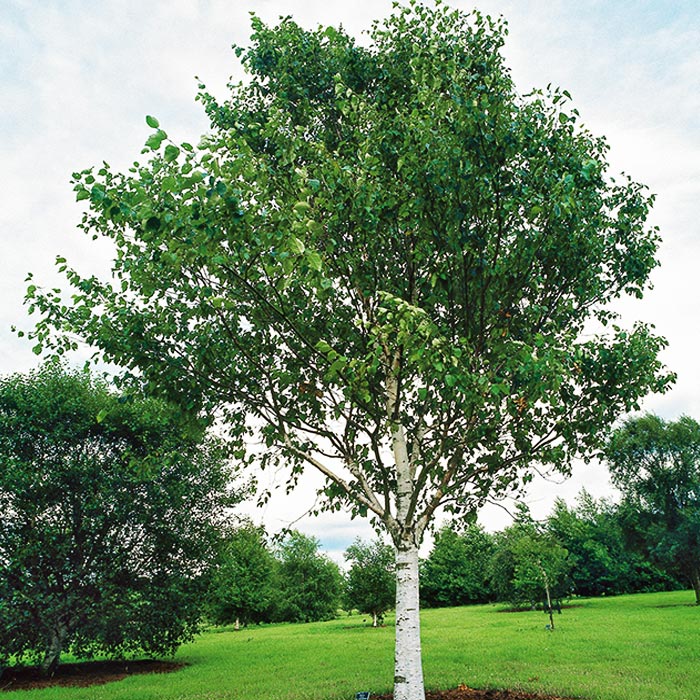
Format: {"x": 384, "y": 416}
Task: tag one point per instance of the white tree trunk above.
{"x": 408, "y": 668}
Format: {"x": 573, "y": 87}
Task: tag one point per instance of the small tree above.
{"x": 456, "y": 570}
{"x": 656, "y": 465}
{"x": 309, "y": 583}
{"x": 371, "y": 581}
{"x": 528, "y": 566}
{"x": 243, "y": 585}
{"x": 384, "y": 259}
{"x": 109, "y": 515}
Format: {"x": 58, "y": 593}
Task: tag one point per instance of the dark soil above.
{"x": 82, "y": 674}
{"x": 465, "y": 693}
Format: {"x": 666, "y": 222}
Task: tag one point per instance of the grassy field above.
{"x": 642, "y": 647}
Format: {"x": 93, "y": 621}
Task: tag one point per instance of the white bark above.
{"x": 408, "y": 665}
{"x": 408, "y": 668}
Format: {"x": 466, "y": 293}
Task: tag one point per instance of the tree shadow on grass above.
{"x": 82, "y": 674}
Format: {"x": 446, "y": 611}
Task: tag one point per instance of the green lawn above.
{"x": 641, "y": 647}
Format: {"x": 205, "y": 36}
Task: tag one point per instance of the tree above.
{"x": 371, "y": 581}
{"x": 309, "y": 583}
{"x": 529, "y": 566}
{"x": 383, "y": 259}
{"x": 109, "y": 510}
{"x": 455, "y": 572}
{"x": 656, "y": 465}
{"x": 597, "y": 536}
{"x": 243, "y": 586}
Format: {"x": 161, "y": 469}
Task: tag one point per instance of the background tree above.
{"x": 309, "y": 583}
{"x": 386, "y": 256}
{"x": 109, "y": 511}
{"x": 455, "y": 572}
{"x": 604, "y": 559}
{"x": 370, "y": 585}
{"x": 656, "y": 465}
{"x": 528, "y": 565}
{"x": 243, "y": 584}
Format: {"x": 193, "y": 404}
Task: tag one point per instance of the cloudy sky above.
{"x": 77, "y": 78}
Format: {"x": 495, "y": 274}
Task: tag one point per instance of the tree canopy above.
{"x": 383, "y": 259}
{"x": 310, "y": 584}
{"x": 243, "y": 585}
{"x": 656, "y": 465}
{"x": 528, "y": 565}
{"x": 370, "y": 585}
{"x": 109, "y": 516}
{"x": 456, "y": 571}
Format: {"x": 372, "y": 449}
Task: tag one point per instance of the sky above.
{"x": 78, "y": 77}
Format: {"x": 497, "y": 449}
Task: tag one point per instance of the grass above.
{"x": 640, "y": 647}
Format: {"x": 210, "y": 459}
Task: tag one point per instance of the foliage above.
{"x": 309, "y": 583}
{"x": 603, "y": 560}
{"x": 455, "y": 572}
{"x": 109, "y": 511}
{"x": 243, "y": 585}
{"x": 383, "y": 258}
{"x": 370, "y": 586}
{"x": 398, "y": 228}
{"x": 527, "y": 560}
{"x": 656, "y": 465}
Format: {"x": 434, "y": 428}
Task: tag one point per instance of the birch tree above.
{"x": 381, "y": 259}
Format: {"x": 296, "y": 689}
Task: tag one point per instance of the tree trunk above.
{"x": 695, "y": 578}
{"x": 408, "y": 665}
{"x": 408, "y": 668}
{"x": 237, "y": 624}
{"x": 54, "y": 649}
{"x": 374, "y": 619}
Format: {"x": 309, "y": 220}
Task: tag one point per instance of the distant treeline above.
{"x": 594, "y": 548}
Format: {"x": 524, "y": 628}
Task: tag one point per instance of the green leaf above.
{"x": 296, "y": 245}
{"x": 171, "y": 153}
{"x": 155, "y": 140}
{"x": 152, "y": 122}
{"x": 314, "y": 260}
{"x": 301, "y": 207}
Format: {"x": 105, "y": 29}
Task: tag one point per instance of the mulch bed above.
{"x": 463, "y": 692}
{"x": 82, "y": 674}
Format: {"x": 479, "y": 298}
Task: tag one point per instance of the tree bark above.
{"x": 374, "y": 619}
{"x": 408, "y": 665}
{"x": 54, "y": 649}
{"x": 408, "y": 668}
{"x": 695, "y": 578}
